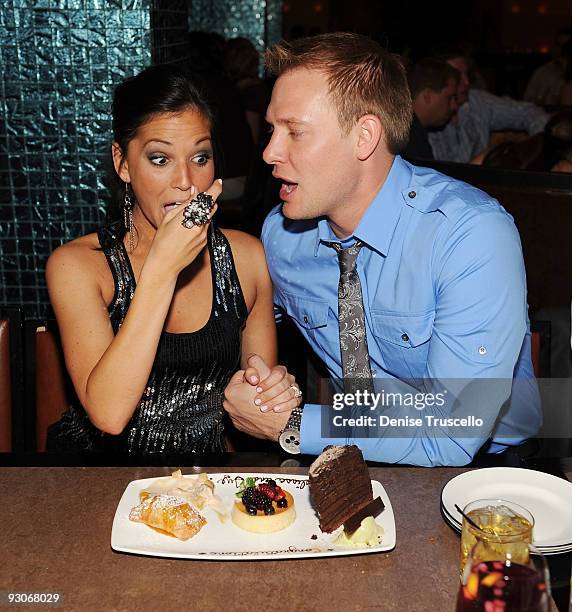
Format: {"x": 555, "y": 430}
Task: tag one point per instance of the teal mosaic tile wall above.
{"x": 60, "y": 62}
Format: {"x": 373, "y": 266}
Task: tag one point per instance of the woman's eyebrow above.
{"x": 166, "y": 142}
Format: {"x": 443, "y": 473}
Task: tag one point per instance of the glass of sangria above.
{"x": 500, "y": 584}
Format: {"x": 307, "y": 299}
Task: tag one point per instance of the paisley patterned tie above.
{"x": 353, "y": 340}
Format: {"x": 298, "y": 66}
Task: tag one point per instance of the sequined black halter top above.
{"x": 181, "y": 409}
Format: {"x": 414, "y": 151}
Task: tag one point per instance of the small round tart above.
{"x": 264, "y": 523}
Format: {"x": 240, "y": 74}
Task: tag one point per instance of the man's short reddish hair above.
{"x": 363, "y": 79}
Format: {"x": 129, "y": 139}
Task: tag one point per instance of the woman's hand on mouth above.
{"x": 175, "y": 246}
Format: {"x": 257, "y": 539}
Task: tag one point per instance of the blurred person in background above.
{"x": 433, "y": 85}
{"x": 546, "y": 82}
{"x": 566, "y": 91}
{"x": 465, "y": 139}
{"x": 242, "y": 63}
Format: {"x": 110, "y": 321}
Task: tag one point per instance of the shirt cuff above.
{"x": 311, "y": 441}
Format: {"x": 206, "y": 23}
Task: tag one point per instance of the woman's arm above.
{"x": 259, "y": 335}
{"x": 109, "y": 372}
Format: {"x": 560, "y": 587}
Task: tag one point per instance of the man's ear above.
{"x": 427, "y": 95}
{"x": 120, "y": 163}
{"x": 370, "y": 131}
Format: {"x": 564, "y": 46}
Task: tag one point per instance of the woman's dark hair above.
{"x": 157, "y": 89}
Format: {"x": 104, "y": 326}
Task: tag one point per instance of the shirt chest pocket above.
{"x": 310, "y": 314}
{"x": 403, "y": 341}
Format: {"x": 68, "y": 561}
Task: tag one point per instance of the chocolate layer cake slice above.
{"x": 340, "y": 485}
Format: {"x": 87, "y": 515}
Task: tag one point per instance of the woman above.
{"x": 154, "y": 310}
{"x": 242, "y": 61}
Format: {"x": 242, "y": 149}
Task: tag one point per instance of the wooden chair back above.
{"x": 48, "y": 388}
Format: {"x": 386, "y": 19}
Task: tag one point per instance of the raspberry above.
{"x": 267, "y": 490}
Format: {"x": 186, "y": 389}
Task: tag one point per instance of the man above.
{"x": 438, "y": 298}
{"x": 465, "y": 138}
{"x": 433, "y": 86}
{"x": 547, "y": 80}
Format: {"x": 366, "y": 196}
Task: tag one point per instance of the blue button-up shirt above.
{"x": 444, "y": 292}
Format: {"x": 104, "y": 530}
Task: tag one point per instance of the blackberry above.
{"x": 271, "y": 482}
{"x": 258, "y": 500}
{"x": 269, "y": 509}
{"x": 282, "y": 503}
{"x": 247, "y": 496}
{"x": 251, "y": 510}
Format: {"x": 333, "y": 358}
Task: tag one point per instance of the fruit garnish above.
{"x": 489, "y": 580}
{"x": 259, "y": 498}
{"x": 472, "y": 587}
{"x": 246, "y": 483}
{"x": 267, "y": 489}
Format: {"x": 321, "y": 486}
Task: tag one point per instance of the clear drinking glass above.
{"x": 506, "y": 526}
{"x": 502, "y": 585}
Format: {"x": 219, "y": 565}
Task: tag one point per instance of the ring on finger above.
{"x": 198, "y": 210}
{"x": 297, "y": 392}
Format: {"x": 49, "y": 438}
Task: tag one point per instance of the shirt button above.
{"x": 412, "y": 194}
{"x": 405, "y": 337}
{"x": 482, "y": 350}
{"x": 305, "y": 319}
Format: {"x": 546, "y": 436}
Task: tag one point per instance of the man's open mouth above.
{"x": 287, "y": 189}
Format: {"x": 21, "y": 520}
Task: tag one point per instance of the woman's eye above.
{"x": 158, "y": 160}
{"x": 202, "y": 159}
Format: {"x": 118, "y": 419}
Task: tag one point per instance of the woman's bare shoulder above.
{"x": 79, "y": 255}
{"x": 243, "y": 244}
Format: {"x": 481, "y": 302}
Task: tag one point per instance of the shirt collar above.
{"x": 379, "y": 221}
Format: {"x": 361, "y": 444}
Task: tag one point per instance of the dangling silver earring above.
{"x": 128, "y": 216}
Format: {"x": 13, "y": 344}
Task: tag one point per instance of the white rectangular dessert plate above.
{"x": 224, "y": 541}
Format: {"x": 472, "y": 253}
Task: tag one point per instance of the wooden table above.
{"x": 56, "y": 524}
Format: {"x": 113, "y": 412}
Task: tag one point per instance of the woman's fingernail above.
{"x": 258, "y": 402}
{"x": 258, "y": 389}
{"x": 263, "y": 408}
{"x": 253, "y": 380}
{"x": 219, "y": 181}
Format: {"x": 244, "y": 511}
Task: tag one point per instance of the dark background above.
{"x": 508, "y": 38}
